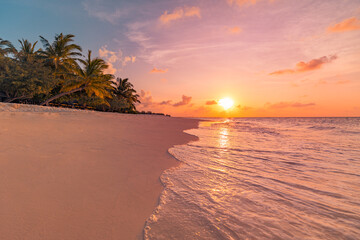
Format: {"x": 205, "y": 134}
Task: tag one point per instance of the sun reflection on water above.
{"x": 224, "y": 137}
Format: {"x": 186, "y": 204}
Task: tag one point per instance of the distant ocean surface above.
{"x": 263, "y": 178}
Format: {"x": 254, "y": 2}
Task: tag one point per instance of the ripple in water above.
{"x": 273, "y": 178}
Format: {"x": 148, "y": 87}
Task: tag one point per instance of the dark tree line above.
{"x": 59, "y": 74}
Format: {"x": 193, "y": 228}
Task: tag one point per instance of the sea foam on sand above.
{"x": 70, "y": 174}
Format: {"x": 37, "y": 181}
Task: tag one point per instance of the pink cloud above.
{"x": 313, "y": 64}
{"x": 179, "y": 13}
{"x": 145, "y": 98}
{"x": 350, "y": 24}
{"x": 241, "y": 3}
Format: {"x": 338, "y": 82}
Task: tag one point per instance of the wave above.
{"x": 235, "y": 184}
{"x": 321, "y": 128}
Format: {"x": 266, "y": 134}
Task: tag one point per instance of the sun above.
{"x": 226, "y": 103}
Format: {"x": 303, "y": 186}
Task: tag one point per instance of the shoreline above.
{"x": 75, "y": 174}
{"x": 146, "y": 227}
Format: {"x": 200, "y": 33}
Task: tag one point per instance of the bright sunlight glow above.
{"x": 226, "y": 103}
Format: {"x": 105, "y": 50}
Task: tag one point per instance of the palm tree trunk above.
{"x": 60, "y": 95}
{"x": 15, "y": 98}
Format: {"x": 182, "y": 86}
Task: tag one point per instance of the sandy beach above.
{"x": 69, "y": 174}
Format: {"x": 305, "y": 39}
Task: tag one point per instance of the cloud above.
{"x": 146, "y": 100}
{"x": 244, "y": 108}
{"x": 110, "y": 57}
{"x": 136, "y": 33}
{"x": 285, "y": 71}
{"x": 350, "y": 24}
{"x": 114, "y": 58}
{"x": 179, "y": 13}
{"x": 313, "y": 64}
{"x": 111, "y": 17}
{"x": 212, "y": 102}
{"x": 168, "y": 102}
{"x": 156, "y": 70}
{"x": 127, "y": 59}
{"x": 234, "y": 30}
{"x": 288, "y": 105}
{"x": 339, "y": 82}
{"x": 300, "y": 105}
{"x": 343, "y": 82}
{"x": 192, "y": 12}
{"x": 185, "y": 101}
{"x": 111, "y": 69}
{"x": 241, "y": 3}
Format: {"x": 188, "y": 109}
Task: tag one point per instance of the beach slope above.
{"x": 67, "y": 174}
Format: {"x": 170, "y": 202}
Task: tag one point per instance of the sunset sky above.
{"x": 273, "y": 58}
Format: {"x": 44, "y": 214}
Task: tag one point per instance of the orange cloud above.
{"x": 212, "y": 102}
{"x": 168, "y": 102}
{"x": 343, "y": 82}
{"x": 127, "y": 59}
{"x": 192, "y": 12}
{"x": 185, "y": 101}
{"x": 288, "y": 105}
{"x": 179, "y": 13}
{"x": 147, "y": 100}
{"x": 307, "y": 66}
{"x": 350, "y": 24}
{"x": 234, "y": 30}
{"x": 155, "y": 70}
{"x": 114, "y": 58}
{"x": 110, "y": 57}
{"x": 244, "y": 108}
{"x": 111, "y": 69}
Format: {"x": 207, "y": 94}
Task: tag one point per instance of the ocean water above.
{"x": 263, "y": 178}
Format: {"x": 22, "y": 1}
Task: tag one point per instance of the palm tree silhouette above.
{"x": 27, "y": 50}
{"x": 62, "y": 53}
{"x": 126, "y": 90}
{"x": 6, "y": 47}
{"x": 89, "y": 77}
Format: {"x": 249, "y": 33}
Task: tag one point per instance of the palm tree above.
{"x": 6, "y": 47}
{"x": 126, "y": 90}
{"x": 27, "y": 50}
{"x": 62, "y": 53}
{"x": 89, "y": 77}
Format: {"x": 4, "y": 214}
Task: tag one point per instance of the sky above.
{"x": 273, "y": 58}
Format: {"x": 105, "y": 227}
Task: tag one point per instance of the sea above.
{"x": 263, "y": 178}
